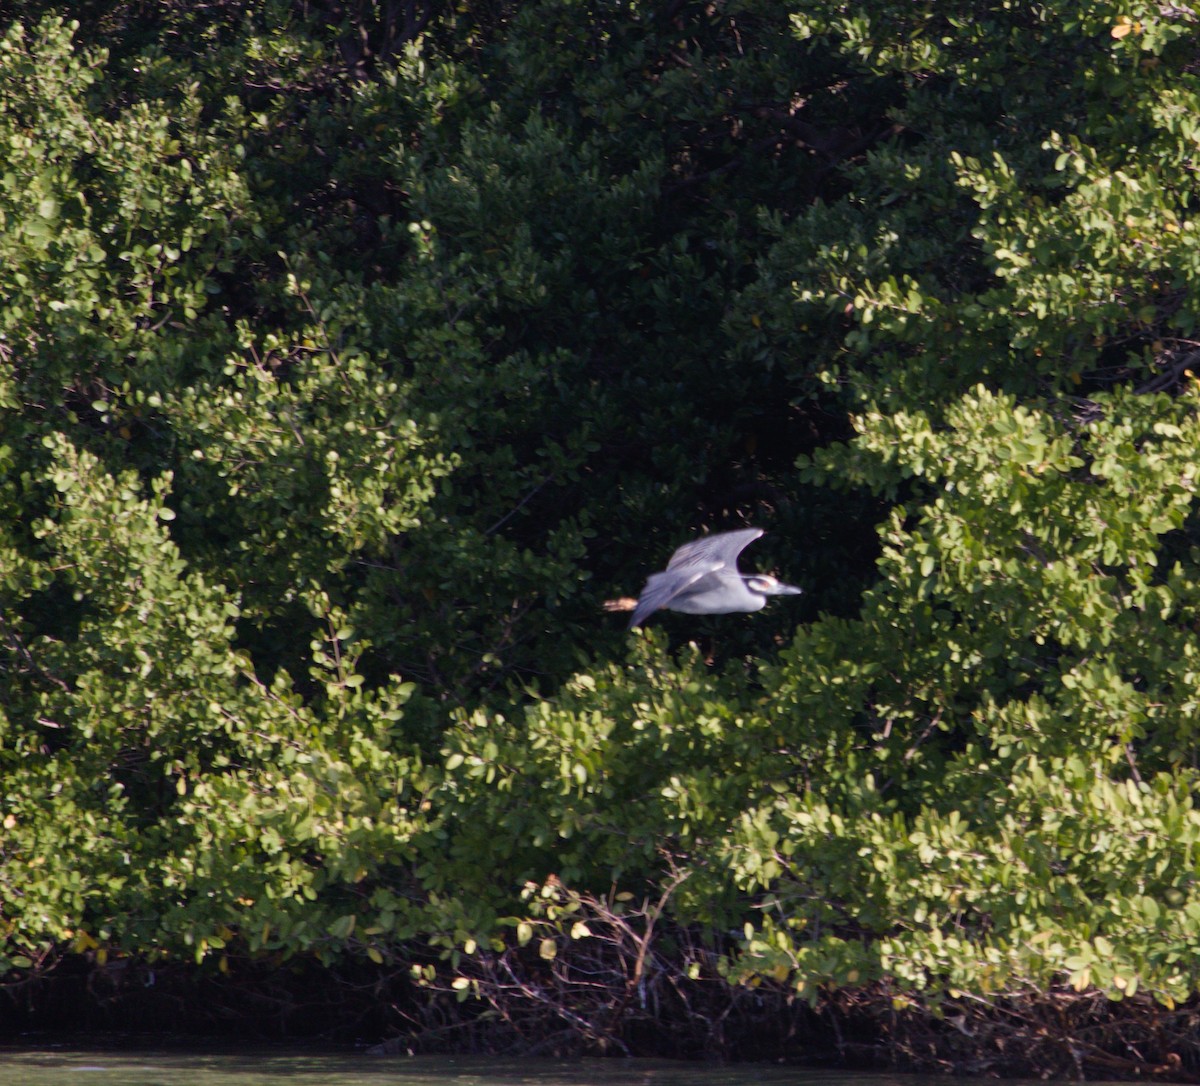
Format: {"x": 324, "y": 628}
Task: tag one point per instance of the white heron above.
{"x": 702, "y": 578}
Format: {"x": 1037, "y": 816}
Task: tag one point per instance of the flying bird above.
{"x": 702, "y": 578}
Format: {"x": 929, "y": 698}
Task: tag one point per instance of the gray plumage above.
{"x": 702, "y": 578}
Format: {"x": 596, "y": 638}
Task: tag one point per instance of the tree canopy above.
{"x": 355, "y": 353}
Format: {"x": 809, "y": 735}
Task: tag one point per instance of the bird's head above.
{"x": 766, "y": 585}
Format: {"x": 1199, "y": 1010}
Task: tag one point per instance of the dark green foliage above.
{"x": 354, "y": 354}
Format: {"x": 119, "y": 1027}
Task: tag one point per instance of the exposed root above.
{"x": 633, "y": 985}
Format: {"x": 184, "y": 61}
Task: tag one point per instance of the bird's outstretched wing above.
{"x": 723, "y": 548}
{"x": 662, "y": 588}
{"x": 688, "y": 564}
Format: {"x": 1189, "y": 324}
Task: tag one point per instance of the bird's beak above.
{"x": 787, "y": 590}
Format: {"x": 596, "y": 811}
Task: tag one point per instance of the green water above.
{"x": 81, "y": 1067}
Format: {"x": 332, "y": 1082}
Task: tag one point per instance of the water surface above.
{"x": 97, "y": 1067}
